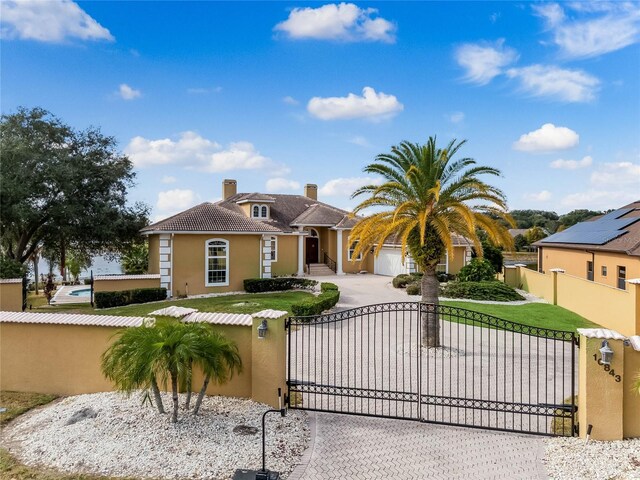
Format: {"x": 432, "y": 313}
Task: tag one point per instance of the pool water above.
{"x": 82, "y": 292}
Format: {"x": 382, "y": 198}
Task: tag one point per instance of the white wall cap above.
{"x": 173, "y": 311}
{"x": 557, "y": 270}
{"x": 635, "y": 342}
{"x": 148, "y": 276}
{"x": 242, "y": 319}
{"x": 603, "y": 333}
{"x": 71, "y": 319}
{"x": 10, "y": 280}
{"x": 270, "y": 314}
{"x": 634, "y": 281}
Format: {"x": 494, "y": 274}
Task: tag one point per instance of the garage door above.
{"x": 389, "y": 262}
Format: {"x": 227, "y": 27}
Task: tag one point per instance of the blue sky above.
{"x": 279, "y": 94}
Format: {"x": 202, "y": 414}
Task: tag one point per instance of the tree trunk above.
{"x": 156, "y": 395}
{"x": 35, "y": 271}
{"x": 174, "y": 392}
{"x": 187, "y": 402}
{"x": 201, "y": 394}
{"x": 430, "y": 322}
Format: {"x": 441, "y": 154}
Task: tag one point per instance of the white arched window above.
{"x": 263, "y": 211}
{"x": 217, "y": 263}
{"x": 274, "y": 249}
{"x": 259, "y": 211}
{"x": 255, "y": 211}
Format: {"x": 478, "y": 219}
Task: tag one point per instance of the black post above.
{"x": 91, "y": 281}
{"x": 281, "y": 410}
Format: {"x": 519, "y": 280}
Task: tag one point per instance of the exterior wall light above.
{"x": 606, "y": 352}
{"x": 262, "y": 329}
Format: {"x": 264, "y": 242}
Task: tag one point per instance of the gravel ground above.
{"x": 128, "y": 439}
{"x": 570, "y": 458}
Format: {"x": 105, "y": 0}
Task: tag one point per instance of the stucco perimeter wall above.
{"x": 608, "y": 306}
{"x": 631, "y": 401}
{"x": 56, "y": 359}
{"x": 65, "y": 360}
{"x": 11, "y": 296}
{"x": 287, "y": 263}
{"x": 189, "y": 262}
{"x": 539, "y": 284}
{"x": 117, "y": 285}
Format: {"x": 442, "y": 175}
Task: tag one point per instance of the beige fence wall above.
{"x": 11, "y": 295}
{"x": 65, "y": 359}
{"x": 117, "y": 283}
{"x": 607, "y": 306}
{"x": 606, "y": 400}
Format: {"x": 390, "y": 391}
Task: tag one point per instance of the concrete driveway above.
{"x": 358, "y": 447}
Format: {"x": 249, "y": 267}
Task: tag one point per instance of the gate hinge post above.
{"x": 576, "y": 429}
{"x": 576, "y": 341}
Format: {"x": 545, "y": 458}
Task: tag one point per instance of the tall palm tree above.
{"x": 426, "y": 197}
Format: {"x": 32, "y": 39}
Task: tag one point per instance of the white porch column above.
{"x": 339, "y": 254}
{"x": 300, "y": 253}
{"x": 446, "y": 261}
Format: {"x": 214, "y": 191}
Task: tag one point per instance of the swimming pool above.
{"x": 81, "y": 292}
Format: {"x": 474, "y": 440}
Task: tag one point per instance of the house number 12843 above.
{"x": 607, "y": 368}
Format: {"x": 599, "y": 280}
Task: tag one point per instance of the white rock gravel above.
{"x": 570, "y": 458}
{"x": 128, "y": 439}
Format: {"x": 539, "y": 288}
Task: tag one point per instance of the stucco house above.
{"x": 604, "y": 249}
{"x": 214, "y": 247}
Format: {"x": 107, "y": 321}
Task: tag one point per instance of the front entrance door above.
{"x": 312, "y": 250}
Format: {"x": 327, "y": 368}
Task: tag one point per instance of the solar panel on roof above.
{"x": 597, "y": 232}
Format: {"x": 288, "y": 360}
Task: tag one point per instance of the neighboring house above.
{"x": 604, "y": 249}
{"x": 214, "y": 247}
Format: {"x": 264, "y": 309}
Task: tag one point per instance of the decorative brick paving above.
{"x": 355, "y": 447}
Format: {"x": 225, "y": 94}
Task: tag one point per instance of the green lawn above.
{"x": 540, "y": 315}
{"x": 246, "y": 303}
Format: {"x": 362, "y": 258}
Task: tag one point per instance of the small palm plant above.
{"x": 142, "y": 357}
{"x": 425, "y": 198}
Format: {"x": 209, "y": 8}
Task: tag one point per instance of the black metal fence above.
{"x": 485, "y": 372}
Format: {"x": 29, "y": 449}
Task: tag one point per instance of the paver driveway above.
{"x": 346, "y": 446}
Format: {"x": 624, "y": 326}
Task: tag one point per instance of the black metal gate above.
{"x": 486, "y": 372}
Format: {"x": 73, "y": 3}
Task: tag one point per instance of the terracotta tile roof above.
{"x": 319, "y": 214}
{"x": 70, "y": 319}
{"x": 209, "y": 217}
{"x": 256, "y": 197}
{"x": 627, "y": 242}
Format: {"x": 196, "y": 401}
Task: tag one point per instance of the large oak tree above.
{"x": 63, "y": 188}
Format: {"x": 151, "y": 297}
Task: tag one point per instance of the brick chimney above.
{"x": 311, "y": 191}
{"x": 229, "y": 188}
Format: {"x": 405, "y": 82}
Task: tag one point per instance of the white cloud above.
{"x": 169, "y": 179}
{"x": 614, "y": 26}
{"x": 372, "y": 105}
{"x": 559, "y": 83}
{"x": 174, "y": 201}
{"x": 346, "y": 186}
{"x": 595, "y": 199}
{"x": 542, "y": 196}
{"x": 547, "y": 138}
{"x": 344, "y": 21}
{"x": 48, "y": 21}
{"x": 290, "y": 100}
{"x": 572, "y": 164}
{"x": 360, "y": 141}
{"x": 484, "y": 61}
{"x": 618, "y": 174}
{"x": 455, "y": 117}
{"x": 280, "y": 184}
{"x": 196, "y": 152}
{"x": 128, "y": 93}
{"x": 203, "y": 91}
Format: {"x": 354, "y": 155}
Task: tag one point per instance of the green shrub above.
{"x": 414, "y": 288}
{"x": 488, "y": 290}
{"x": 316, "y": 305}
{"x": 326, "y": 286}
{"x": 401, "y": 280}
{"x": 477, "y": 270}
{"x": 128, "y": 297}
{"x": 258, "y": 285}
{"x": 10, "y": 268}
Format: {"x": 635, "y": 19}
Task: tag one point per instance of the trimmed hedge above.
{"x": 128, "y": 297}
{"x": 316, "y": 305}
{"x": 477, "y": 270}
{"x": 404, "y": 279}
{"x": 488, "y": 290}
{"x": 414, "y": 288}
{"x": 258, "y": 285}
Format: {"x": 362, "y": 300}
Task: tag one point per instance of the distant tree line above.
{"x": 63, "y": 195}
